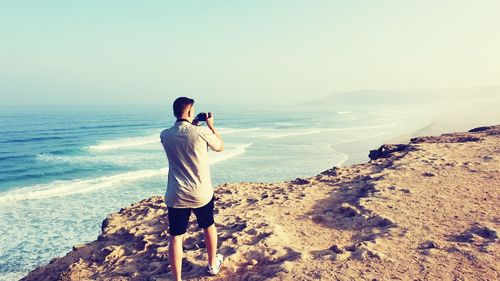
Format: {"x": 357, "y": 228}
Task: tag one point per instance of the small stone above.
{"x": 466, "y": 237}
{"x": 486, "y": 232}
{"x": 336, "y": 249}
{"x": 380, "y": 221}
{"x": 360, "y": 254}
{"x": 348, "y": 210}
{"x": 76, "y": 247}
{"x": 341, "y": 256}
{"x": 323, "y": 253}
{"x": 429, "y": 244}
{"x": 407, "y": 191}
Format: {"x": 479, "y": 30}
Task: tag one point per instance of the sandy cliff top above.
{"x": 429, "y": 209}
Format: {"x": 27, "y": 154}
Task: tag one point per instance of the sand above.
{"x": 425, "y": 210}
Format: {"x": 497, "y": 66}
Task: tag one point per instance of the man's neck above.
{"x": 183, "y": 119}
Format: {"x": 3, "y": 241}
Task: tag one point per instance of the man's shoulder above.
{"x": 191, "y": 130}
{"x": 202, "y": 130}
{"x": 165, "y": 132}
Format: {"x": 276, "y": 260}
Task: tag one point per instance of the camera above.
{"x": 201, "y": 116}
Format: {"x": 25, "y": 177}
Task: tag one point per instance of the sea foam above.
{"x": 289, "y": 133}
{"x": 295, "y": 133}
{"x": 115, "y": 159}
{"x": 75, "y": 186}
{"x": 69, "y": 187}
{"x": 128, "y": 142}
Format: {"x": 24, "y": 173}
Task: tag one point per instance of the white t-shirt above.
{"x": 189, "y": 183}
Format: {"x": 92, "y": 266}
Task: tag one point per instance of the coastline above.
{"x": 406, "y": 213}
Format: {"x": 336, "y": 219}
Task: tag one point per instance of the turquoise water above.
{"x": 63, "y": 170}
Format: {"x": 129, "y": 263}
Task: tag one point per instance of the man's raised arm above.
{"x": 210, "y": 124}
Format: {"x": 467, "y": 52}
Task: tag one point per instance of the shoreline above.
{"x": 399, "y": 215}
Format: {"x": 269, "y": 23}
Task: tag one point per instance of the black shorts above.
{"x": 178, "y": 218}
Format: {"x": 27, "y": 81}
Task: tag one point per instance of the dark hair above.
{"x": 180, "y": 105}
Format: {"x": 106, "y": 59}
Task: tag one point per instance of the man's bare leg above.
{"x": 211, "y": 243}
{"x": 175, "y": 255}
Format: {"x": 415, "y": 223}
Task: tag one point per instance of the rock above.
{"x": 445, "y": 138}
{"x": 407, "y": 191}
{"x": 336, "y": 249}
{"x": 386, "y": 150}
{"x": 107, "y": 250}
{"x": 348, "y": 210}
{"x": 379, "y": 221}
{"x": 476, "y": 232}
{"x": 301, "y": 181}
{"x": 486, "y": 232}
{"x": 428, "y": 174}
{"x": 105, "y": 223}
{"x": 341, "y": 256}
{"x": 466, "y": 237}
{"x": 323, "y": 253}
{"x": 481, "y": 129}
{"x": 76, "y": 247}
{"x": 252, "y": 200}
{"x": 360, "y": 254}
{"x": 331, "y": 172}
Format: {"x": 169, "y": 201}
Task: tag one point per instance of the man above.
{"x": 189, "y": 186}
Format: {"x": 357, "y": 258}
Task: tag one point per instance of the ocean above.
{"x": 63, "y": 170}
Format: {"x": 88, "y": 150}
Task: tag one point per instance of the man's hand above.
{"x": 210, "y": 120}
{"x": 210, "y": 124}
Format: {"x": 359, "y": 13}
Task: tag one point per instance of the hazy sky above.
{"x": 241, "y": 51}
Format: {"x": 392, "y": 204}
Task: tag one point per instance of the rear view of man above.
{"x": 189, "y": 186}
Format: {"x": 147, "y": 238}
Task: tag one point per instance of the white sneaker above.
{"x": 218, "y": 264}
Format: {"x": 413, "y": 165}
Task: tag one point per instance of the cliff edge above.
{"x": 428, "y": 209}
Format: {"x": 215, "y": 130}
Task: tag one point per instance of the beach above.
{"x": 422, "y": 210}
